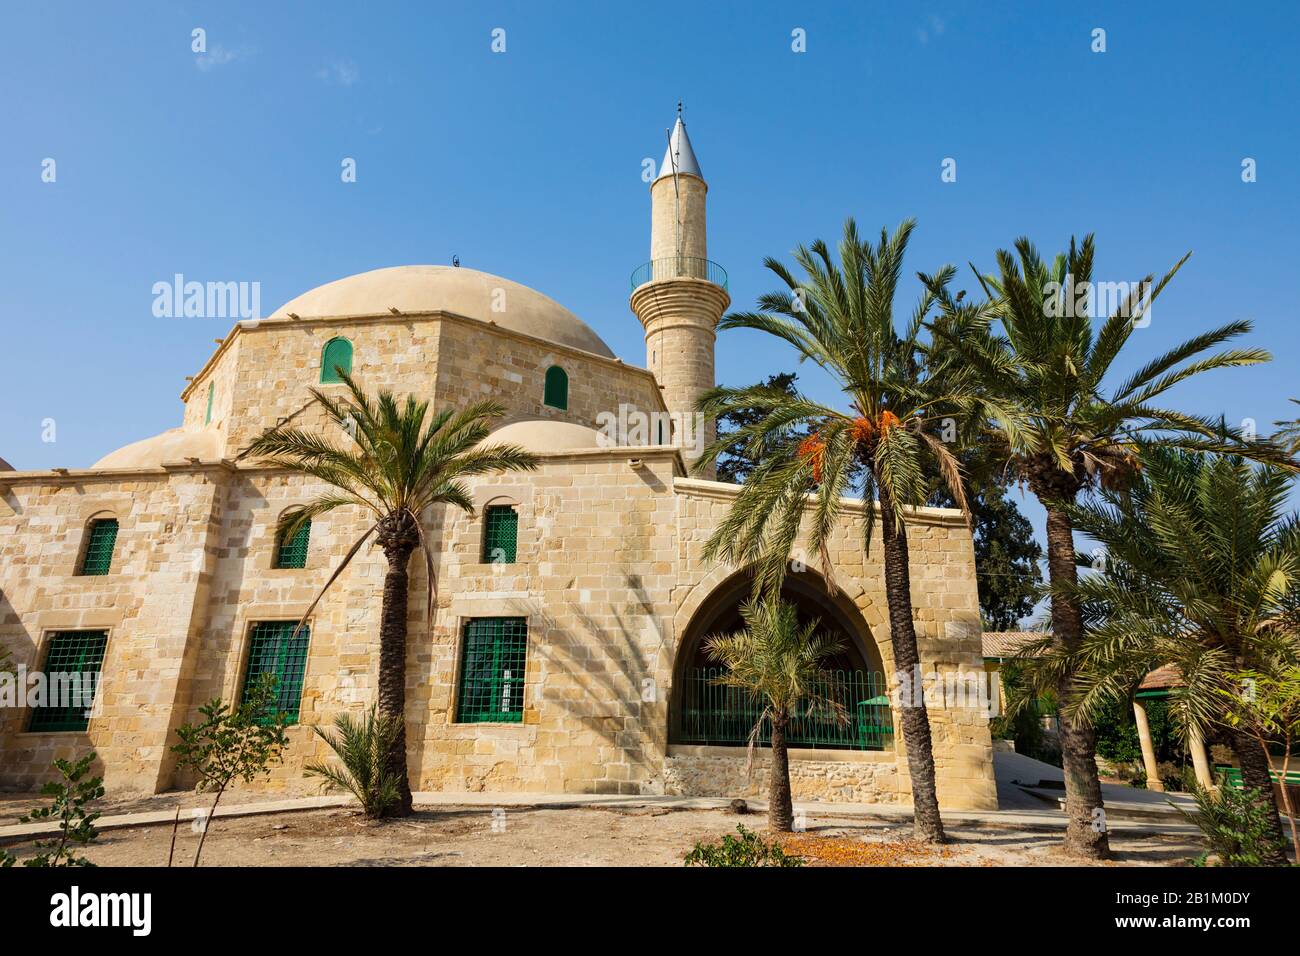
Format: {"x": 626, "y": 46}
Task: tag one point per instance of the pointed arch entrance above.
{"x": 702, "y": 712}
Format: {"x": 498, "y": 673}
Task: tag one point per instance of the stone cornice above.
{"x": 227, "y": 467}
{"x": 683, "y": 300}
{"x": 724, "y": 491}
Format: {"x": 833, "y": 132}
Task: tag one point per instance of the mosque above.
{"x": 564, "y": 652}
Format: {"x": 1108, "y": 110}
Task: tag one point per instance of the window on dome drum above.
{"x": 273, "y": 649}
{"x": 76, "y": 657}
{"x": 500, "y": 534}
{"x": 101, "y": 536}
{"x": 336, "y": 354}
{"x": 212, "y": 390}
{"x": 292, "y": 553}
{"x": 557, "y": 388}
{"x": 493, "y": 653}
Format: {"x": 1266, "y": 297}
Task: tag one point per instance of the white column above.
{"x": 1200, "y": 759}
{"x": 1148, "y": 748}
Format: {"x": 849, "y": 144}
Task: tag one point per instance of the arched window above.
{"x": 337, "y": 354}
{"x": 212, "y": 390}
{"x": 291, "y": 552}
{"x": 101, "y": 536}
{"x": 557, "y": 388}
{"x": 500, "y": 534}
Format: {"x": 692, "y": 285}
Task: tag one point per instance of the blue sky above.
{"x": 527, "y": 163}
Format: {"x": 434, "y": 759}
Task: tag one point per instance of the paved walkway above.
{"x": 1045, "y": 817}
{"x": 1028, "y": 784}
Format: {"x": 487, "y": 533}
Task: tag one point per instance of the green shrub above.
{"x": 1117, "y": 737}
{"x": 1236, "y": 825}
{"x": 1023, "y": 719}
{"x": 240, "y": 742}
{"x": 68, "y": 806}
{"x": 364, "y": 747}
{"x": 749, "y": 849}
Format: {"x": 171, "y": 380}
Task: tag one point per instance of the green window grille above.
{"x": 557, "y": 388}
{"x": 275, "y": 650}
{"x": 850, "y": 710}
{"x": 101, "y": 536}
{"x": 212, "y": 391}
{"x": 292, "y": 553}
{"x": 72, "y": 667}
{"x": 493, "y": 654}
{"x": 500, "y": 534}
{"x": 336, "y": 354}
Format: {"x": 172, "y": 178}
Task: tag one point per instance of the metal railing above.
{"x": 679, "y": 267}
{"x": 714, "y": 714}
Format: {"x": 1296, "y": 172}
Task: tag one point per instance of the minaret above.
{"x": 679, "y": 295}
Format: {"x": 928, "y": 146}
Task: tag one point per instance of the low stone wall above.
{"x": 829, "y": 776}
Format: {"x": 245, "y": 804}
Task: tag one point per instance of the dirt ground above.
{"x": 589, "y": 836}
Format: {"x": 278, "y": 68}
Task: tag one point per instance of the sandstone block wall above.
{"x": 609, "y": 575}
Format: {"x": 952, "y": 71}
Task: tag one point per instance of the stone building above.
{"x": 564, "y": 653}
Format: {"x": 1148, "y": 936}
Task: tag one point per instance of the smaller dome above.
{"x": 175, "y": 444}
{"x": 542, "y": 435}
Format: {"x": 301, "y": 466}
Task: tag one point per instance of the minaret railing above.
{"x": 679, "y": 267}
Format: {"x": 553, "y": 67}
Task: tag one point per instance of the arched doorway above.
{"x": 853, "y": 711}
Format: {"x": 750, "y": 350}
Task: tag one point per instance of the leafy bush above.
{"x": 1117, "y": 737}
{"x": 1236, "y": 825}
{"x": 364, "y": 747}
{"x": 230, "y": 744}
{"x": 1023, "y": 720}
{"x": 749, "y": 849}
{"x": 68, "y": 806}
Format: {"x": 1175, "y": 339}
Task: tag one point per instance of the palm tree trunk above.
{"x": 1085, "y": 833}
{"x": 780, "y": 808}
{"x": 1255, "y": 776}
{"x": 927, "y": 824}
{"x": 392, "y": 666}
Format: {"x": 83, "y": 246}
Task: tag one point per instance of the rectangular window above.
{"x": 72, "y": 667}
{"x": 101, "y": 536}
{"x": 500, "y": 534}
{"x": 212, "y": 390}
{"x": 293, "y": 552}
{"x": 493, "y": 653}
{"x": 273, "y": 649}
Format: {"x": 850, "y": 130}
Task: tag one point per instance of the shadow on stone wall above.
{"x": 622, "y": 702}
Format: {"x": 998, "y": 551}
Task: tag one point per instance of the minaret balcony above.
{"x": 679, "y": 267}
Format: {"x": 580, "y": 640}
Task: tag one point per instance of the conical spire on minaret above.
{"x": 679, "y": 157}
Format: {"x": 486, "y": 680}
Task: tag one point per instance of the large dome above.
{"x": 446, "y": 288}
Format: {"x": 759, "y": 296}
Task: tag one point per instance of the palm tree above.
{"x": 402, "y": 463}
{"x": 780, "y": 664}
{"x": 1288, "y": 433}
{"x": 1061, "y": 433}
{"x": 1203, "y": 572}
{"x": 842, "y": 319}
{"x": 363, "y": 748}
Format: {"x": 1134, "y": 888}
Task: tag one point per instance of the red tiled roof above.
{"x": 1167, "y": 675}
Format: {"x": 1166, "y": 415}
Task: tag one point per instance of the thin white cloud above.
{"x": 936, "y": 27}
{"x": 342, "y": 72}
{"x": 217, "y": 56}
